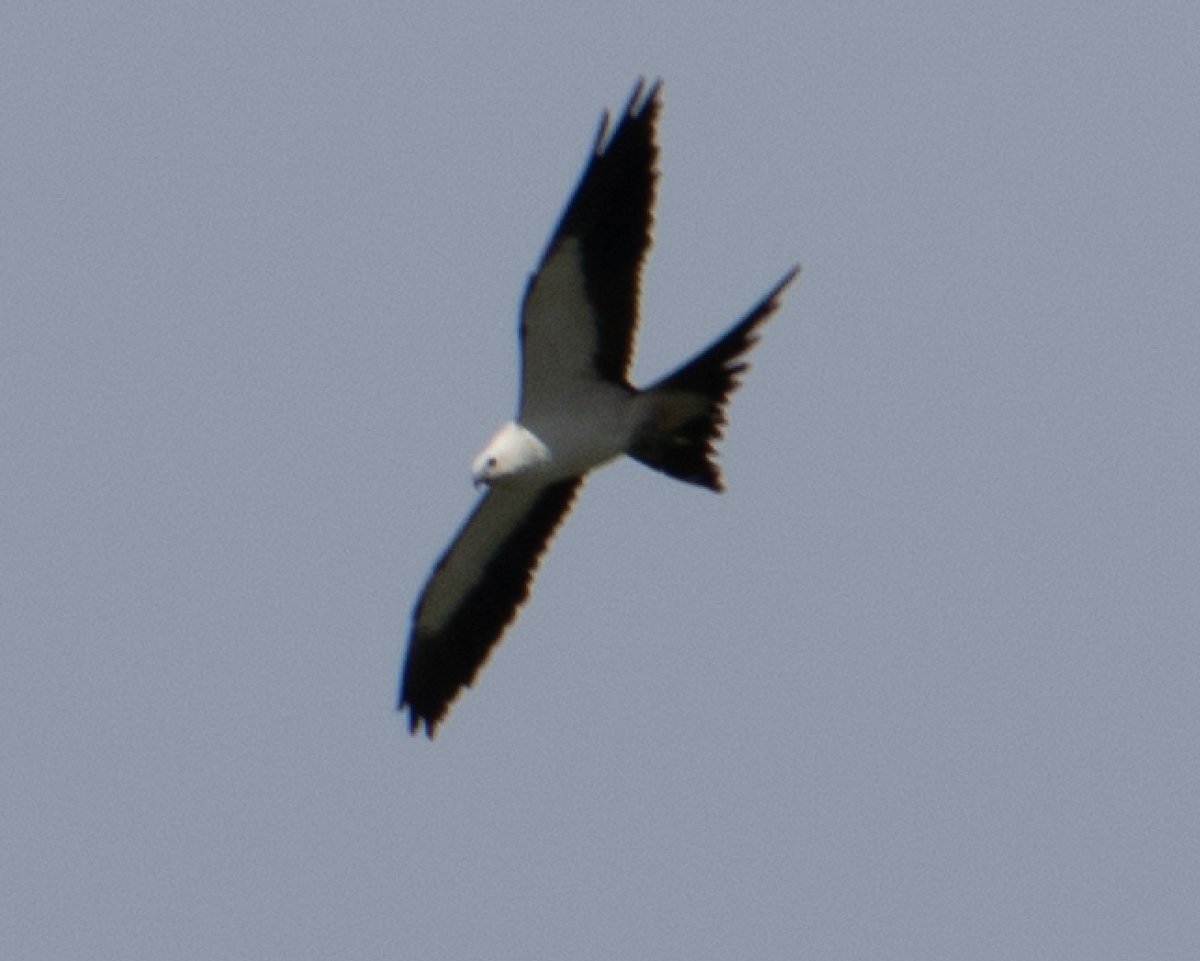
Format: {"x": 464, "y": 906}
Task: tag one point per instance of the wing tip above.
{"x": 643, "y": 96}
{"x": 643, "y": 100}
{"x": 416, "y": 719}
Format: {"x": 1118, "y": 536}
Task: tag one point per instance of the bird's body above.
{"x": 577, "y": 412}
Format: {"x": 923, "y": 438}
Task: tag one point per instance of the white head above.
{"x": 512, "y": 453}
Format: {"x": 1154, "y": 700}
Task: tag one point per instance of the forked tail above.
{"x": 688, "y": 413}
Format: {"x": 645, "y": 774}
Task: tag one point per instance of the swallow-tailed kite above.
{"x": 577, "y": 411}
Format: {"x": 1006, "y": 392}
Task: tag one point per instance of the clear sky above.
{"x": 925, "y": 683}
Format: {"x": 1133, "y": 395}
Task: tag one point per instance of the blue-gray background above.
{"x": 923, "y": 684}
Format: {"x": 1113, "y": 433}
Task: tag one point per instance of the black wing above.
{"x": 599, "y": 245}
{"x": 473, "y": 595}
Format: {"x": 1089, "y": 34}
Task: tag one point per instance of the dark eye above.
{"x": 491, "y": 462}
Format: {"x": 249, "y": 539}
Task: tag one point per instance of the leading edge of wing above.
{"x": 473, "y": 595}
{"x": 610, "y": 215}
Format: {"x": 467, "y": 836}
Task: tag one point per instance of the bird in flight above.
{"x": 577, "y": 411}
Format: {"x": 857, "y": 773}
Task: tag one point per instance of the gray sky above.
{"x": 925, "y": 683}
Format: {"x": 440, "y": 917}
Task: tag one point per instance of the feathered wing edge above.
{"x": 442, "y": 661}
{"x": 688, "y": 411}
{"x": 610, "y": 214}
